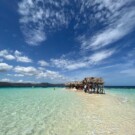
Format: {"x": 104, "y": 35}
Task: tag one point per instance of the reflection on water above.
{"x": 38, "y": 111}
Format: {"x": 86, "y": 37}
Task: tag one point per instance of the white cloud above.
{"x": 9, "y": 57}
{"x": 39, "y": 16}
{"x": 5, "y": 80}
{"x": 25, "y": 81}
{"x": 32, "y": 21}
{"x": 16, "y": 55}
{"x": 35, "y": 36}
{"x": 77, "y": 65}
{"x": 30, "y": 71}
{"x": 20, "y": 81}
{"x": 112, "y": 5}
{"x": 49, "y": 74}
{"x": 68, "y": 64}
{"x": 21, "y": 58}
{"x": 119, "y": 24}
{"x": 37, "y": 73}
{"x": 18, "y": 75}
{"x": 5, "y": 67}
{"x": 101, "y": 55}
{"x": 43, "y": 63}
{"x": 83, "y": 62}
{"x": 5, "y": 54}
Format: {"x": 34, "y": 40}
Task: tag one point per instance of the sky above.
{"x": 58, "y": 41}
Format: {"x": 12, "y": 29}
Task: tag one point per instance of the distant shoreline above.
{"x": 18, "y": 84}
{"x": 46, "y": 84}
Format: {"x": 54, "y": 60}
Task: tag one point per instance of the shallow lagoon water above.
{"x": 45, "y": 111}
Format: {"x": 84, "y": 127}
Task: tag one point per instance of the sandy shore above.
{"x": 108, "y": 114}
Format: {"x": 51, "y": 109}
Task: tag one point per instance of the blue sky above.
{"x": 67, "y": 40}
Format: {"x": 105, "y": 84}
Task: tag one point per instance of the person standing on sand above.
{"x": 85, "y": 88}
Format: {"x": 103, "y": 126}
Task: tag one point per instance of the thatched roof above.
{"x": 74, "y": 83}
{"x": 93, "y": 80}
{"x": 86, "y": 81}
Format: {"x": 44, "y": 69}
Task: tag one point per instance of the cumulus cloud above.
{"x": 30, "y": 71}
{"x": 9, "y": 57}
{"x": 5, "y": 67}
{"x": 50, "y": 74}
{"x": 5, "y": 54}
{"x": 43, "y": 63}
{"x": 17, "y": 53}
{"x": 37, "y": 73}
{"x": 21, "y": 58}
{"x": 14, "y": 55}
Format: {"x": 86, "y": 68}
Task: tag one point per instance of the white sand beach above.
{"x": 108, "y": 114}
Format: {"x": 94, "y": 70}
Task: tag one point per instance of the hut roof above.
{"x": 93, "y": 80}
{"x": 86, "y": 80}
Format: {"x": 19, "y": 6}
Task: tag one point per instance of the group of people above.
{"x": 93, "y": 88}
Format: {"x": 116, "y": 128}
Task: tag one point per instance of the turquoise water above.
{"x": 127, "y": 94}
{"x": 45, "y": 111}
